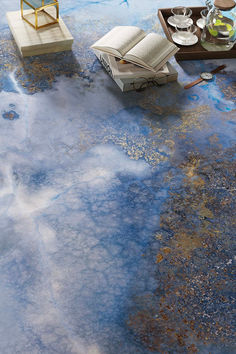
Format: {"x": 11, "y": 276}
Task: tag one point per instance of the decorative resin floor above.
{"x": 117, "y": 210}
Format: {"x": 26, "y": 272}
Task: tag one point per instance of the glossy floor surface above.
{"x": 117, "y": 210}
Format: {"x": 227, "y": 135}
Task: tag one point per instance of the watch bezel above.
{"x": 202, "y": 75}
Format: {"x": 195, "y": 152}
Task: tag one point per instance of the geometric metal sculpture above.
{"x": 40, "y": 11}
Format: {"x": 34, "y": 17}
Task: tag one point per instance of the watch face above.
{"x": 206, "y": 76}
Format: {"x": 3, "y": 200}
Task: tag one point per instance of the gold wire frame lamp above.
{"x": 41, "y": 9}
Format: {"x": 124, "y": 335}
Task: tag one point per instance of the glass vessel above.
{"x": 209, "y": 4}
{"x": 219, "y": 33}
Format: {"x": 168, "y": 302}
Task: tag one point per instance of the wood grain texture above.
{"x": 30, "y": 42}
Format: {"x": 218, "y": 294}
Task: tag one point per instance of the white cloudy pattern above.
{"x": 68, "y": 252}
{"x": 76, "y": 213}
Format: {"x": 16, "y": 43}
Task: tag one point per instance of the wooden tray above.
{"x": 195, "y": 51}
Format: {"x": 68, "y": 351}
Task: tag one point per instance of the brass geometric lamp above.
{"x": 40, "y": 13}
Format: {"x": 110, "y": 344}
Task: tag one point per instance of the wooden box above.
{"x": 195, "y": 51}
{"x": 55, "y": 38}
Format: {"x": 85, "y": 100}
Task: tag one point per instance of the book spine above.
{"x": 106, "y": 65}
{"x": 108, "y": 69}
{"x": 139, "y": 85}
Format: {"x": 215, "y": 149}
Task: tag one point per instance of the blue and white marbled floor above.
{"x": 117, "y": 210}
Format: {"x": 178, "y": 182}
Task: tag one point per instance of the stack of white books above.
{"x": 134, "y": 59}
{"x": 132, "y": 77}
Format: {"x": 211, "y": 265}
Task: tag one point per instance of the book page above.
{"x": 151, "y": 50}
{"x": 130, "y": 70}
{"x": 120, "y": 40}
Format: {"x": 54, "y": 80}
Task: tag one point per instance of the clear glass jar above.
{"x": 209, "y": 4}
{"x": 219, "y": 33}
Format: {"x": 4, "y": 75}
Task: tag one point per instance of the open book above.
{"x": 132, "y": 44}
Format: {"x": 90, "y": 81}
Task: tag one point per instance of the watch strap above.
{"x": 219, "y": 68}
{"x": 193, "y": 83}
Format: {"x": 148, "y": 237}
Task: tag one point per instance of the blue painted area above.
{"x": 193, "y": 97}
{"x": 7, "y": 84}
{"x": 100, "y": 192}
{"x": 10, "y": 115}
